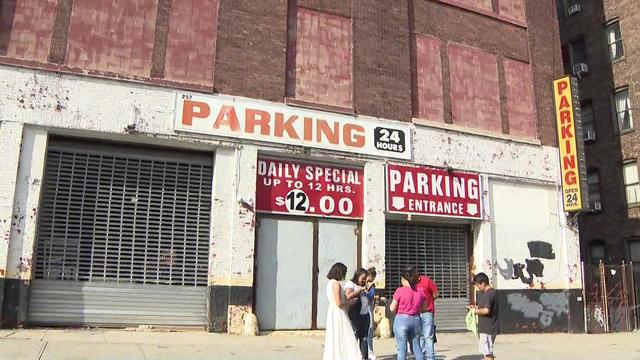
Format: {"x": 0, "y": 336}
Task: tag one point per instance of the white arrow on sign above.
{"x": 397, "y": 203}
{"x": 472, "y": 209}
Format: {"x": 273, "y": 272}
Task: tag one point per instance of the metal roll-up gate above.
{"x": 123, "y": 236}
{"x": 439, "y": 251}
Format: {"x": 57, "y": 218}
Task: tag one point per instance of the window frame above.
{"x": 588, "y": 103}
{"x": 625, "y": 185}
{"x": 608, "y": 42}
{"x": 572, "y": 52}
{"x": 617, "y": 112}
{"x": 594, "y": 172}
{"x": 596, "y": 243}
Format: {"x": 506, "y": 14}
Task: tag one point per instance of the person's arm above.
{"x": 352, "y": 293}
{"x": 394, "y": 306}
{"x": 371, "y": 292}
{"x": 434, "y": 290}
{"x": 336, "y": 294}
{"x": 484, "y": 306}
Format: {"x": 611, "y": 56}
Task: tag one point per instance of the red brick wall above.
{"x": 323, "y": 59}
{"x": 475, "y": 88}
{"x": 513, "y": 9}
{"x": 429, "y": 79}
{"x": 27, "y": 26}
{"x": 191, "y": 41}
{"x": 472, "y": 4}
{"x": 114, "y": 36}
{"x": 519, "y": 93}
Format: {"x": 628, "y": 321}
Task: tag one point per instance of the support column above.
{"x": 26, "y": 209}
{"x": 10, "y": 139}
{"x": 233, "y": 239}
{"x": 373, "y": 225}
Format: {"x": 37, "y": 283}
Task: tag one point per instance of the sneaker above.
{"x": 371, "y": 356}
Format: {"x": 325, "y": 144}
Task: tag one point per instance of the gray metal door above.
{"x": 439, "y": 251}
{"x": 284, "y": 274}
{"x": 337, "y": 242}
{"x": 123, "y": 236}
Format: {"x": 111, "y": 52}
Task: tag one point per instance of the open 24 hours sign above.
{"x": 422, "y": 190}
{"x": 308, "y": 189}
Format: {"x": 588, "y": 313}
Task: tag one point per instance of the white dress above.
{"x": 339, "y": 341}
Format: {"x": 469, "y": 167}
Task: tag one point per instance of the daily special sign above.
{"x": 243, "y": 118}
{"x": 433, "y": 192}
{"x": 300, "y": 188}
{"x": 570, "y": 142}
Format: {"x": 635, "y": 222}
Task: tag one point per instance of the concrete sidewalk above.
{"x": 153, "y": 345}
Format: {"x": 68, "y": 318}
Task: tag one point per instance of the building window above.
{"x": 578, "y": 50}
{"x": 597, "y": 252}
{"x": 631, "y": 183}
{"x": 593, "y": 181}
{"x": 588, "y": 127}
{"x": 614, "y": 40}
{"x": 624, "y": 115}
{"x": 634, "y": 251}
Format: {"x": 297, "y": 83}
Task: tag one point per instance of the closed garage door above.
{"x": 441, "y": 252}
{"x": 123, "y": 237}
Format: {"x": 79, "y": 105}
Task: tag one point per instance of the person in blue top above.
{"x": 370, "y": 293}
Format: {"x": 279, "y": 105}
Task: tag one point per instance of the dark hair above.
{"x": 337, "y": 272}
{"x": 357, "y": 274}
{"x": 372, "y": 272}
{"x": 411, "y": 275}
{"x": 481, "y": 278}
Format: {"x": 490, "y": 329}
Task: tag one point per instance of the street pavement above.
{"x": 91, "y": 344}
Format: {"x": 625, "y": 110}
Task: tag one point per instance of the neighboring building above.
{"x": 601, "y": 45}
{"x": 185, "y": 163}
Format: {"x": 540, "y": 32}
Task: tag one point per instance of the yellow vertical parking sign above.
{"x": 570, "y": 142}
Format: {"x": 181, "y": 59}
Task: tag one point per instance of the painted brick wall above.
{"x": 191, "y": 41}
{"x": 323, "y": 59}
{"x": 429, "y": 79}
{"x": 519, "y": 93}
{"x": 114, "y": 36}
{"x": 513, "y": 9}
{"x": 26, "y": 27}
{"x": 251, "y": 48}
{"x": 382, "y": 59}
{"x": 475, "y": 88}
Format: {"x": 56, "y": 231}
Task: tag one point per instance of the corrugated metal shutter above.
{"x": 441, "y": 252}
{"x": 123, "y": 236}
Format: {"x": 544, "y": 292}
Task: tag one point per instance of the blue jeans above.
{"x": 408, "y": 328}
{"x": 370, "y": 337}
{"x": 428, "y": 330}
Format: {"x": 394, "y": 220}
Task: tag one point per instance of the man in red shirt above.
{"x": 427, "y": 315}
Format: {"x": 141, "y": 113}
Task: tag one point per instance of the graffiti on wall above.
{"x": 530, "y": 268}
{"x": 549, "y": 308}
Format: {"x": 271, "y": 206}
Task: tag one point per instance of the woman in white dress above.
{"x": 339, "y": 340}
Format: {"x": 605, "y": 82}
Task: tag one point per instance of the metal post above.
{"x": 625, "y": 299}
{"x": 634, "y": 301}
{"x": 584, "y": 297}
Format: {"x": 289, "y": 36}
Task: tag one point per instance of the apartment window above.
{"x": 614, "y": 40}
{"x": 634, "y": 251}
{"x": 623, "y": 110}
{"x": 593, "y": 182}
{"x": 597, "y": 252}
{"x": 578, "y": 49}
{"x": 631, "y": 182}
{"x": 588, "y": 127}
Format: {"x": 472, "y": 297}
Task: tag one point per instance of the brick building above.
{"x": 185, "y": 163}
{"x": 600, "y": 45}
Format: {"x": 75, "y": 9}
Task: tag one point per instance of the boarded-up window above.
{"x": 114, "y": 36}
{"x": 475, "y": 89}
{"x": 429, "y": 79}
{"x": 512, "y": 9}
{"x": 191, "y": 41}
{"x": 26, "y": 27}
{"x": 519, "y": 90}
{"x": 323, "y": 59}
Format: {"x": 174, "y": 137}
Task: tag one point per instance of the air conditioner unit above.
{"x": 574, "y": 9}
{"x": 590, "y": 135}
{"x": 580, "y": 68}
{"x": 597, "y": 206}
